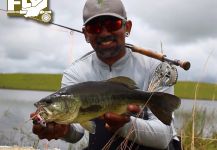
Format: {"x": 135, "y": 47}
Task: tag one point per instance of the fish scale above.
{"x": 84, "y": 101}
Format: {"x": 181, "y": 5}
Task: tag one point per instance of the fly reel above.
{"x": 165, "y": 75}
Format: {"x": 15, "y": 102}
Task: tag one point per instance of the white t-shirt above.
{"x": 152, "y": 132}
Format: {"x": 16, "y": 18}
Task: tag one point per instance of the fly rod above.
{"x": 183, "y": 64}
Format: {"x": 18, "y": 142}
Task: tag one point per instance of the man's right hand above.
{"x": 51, "y": 131}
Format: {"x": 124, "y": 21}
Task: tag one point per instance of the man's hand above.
{"x": 51, "y": 131}
{"x": 115, "y": 121}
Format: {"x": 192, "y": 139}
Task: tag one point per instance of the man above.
{"x": 105, "y": 28}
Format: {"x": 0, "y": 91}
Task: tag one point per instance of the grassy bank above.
{"x": 44, "y": 82}
{"x": 51, "y": 82}
{"x": 204, "y": 90}
{"x": 204, "y": 136}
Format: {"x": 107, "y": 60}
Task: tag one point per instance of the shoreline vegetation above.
{"x": 193, "y": 131}
{"x": 52, "y": 82}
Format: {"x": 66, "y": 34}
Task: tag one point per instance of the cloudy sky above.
{"x": 187, "y": 29}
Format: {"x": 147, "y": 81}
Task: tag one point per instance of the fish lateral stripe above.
{"x": 74, "y": 103}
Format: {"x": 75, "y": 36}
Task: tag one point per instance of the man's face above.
{"x": 106, "y": 35}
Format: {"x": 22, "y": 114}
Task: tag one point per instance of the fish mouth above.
{"x": 43, "y": 111}
{"x": 47, "y": 111}
{"x": 42, "y": 108}
{"x": 41, "y": 115}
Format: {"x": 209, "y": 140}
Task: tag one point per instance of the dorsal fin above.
{"x": 124, "y": 80}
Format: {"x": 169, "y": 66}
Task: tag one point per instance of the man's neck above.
{"x": 110, "y": 61}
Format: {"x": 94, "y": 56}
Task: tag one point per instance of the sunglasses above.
{"x": 110, "y": 23}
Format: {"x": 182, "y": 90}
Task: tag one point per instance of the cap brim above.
{"x": 104, "y": 14}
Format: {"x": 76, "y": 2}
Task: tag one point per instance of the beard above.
{"x": 110, "y": 52}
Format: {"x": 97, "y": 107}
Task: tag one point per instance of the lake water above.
{"x": 16, "y": 106}
{"x": 15, "y": 129}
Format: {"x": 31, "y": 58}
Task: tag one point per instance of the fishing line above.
{"x": 161, "y": 81}
{"x": 66, "y": 27}
{"x": 185, "y": 136}
{"x": 59, "y": 29}
{"x": 214, "y": 93}
{"x": 213, "y": 97}
{"x": 195, "y": 97}
{"x": 123, "y": 145}
{"x": 144, "y": 105}
{"x": 108, "y": 144}
{"x": 160, "y": 133}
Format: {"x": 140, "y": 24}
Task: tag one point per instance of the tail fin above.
{"x": 162, "y": 106}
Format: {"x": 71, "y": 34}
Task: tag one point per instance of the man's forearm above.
{"x": 75, "y": 134}
{"x": 151, "y": 133}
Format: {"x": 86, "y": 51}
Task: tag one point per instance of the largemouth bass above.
{"x": 82, "y": 102}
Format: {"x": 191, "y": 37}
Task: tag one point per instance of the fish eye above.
{"x": 48, "y": 101}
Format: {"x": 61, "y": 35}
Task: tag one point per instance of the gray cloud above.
{"x": 184, "y": 20}
{"x": 186, "y": 28}
{"x": 16, "y": 53}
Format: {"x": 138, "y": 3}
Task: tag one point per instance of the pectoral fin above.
{"x": 89, "y": 126}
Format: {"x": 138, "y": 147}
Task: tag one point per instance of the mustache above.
{"x": 105, "y": 39}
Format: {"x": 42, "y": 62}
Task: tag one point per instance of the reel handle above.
{"x": 183, "y": 64}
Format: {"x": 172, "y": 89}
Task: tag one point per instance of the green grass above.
{"x": 204, "y": 91}
{"x": 202, "y": 123}
{"x": 51, "y": 82}
{"x": 45, "y": 82}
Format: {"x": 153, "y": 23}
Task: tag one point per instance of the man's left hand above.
{"x": 115, "y": 121}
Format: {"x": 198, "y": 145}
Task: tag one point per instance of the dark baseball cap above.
{"x": 96, "y": 8}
